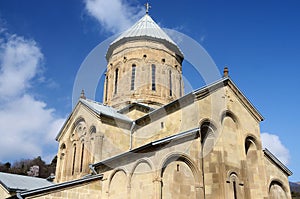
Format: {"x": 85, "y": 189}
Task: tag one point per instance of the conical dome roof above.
{"x": 144, "y": 29}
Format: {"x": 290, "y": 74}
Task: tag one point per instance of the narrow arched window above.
{"x": 74, "y": 159}
{"x": 153, "y": 70}
{"x": 133, "y": 68}
{"x": 233, "y": 180}
{"x": 82, "y": 156}
{"x": 106, "y": 88}
{"x": 180, "y": 86}
{"x": 116, "y": 80}
{"x": 170, "y": 82}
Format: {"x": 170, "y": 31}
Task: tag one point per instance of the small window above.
{"x": 74, "y": 159}
{"x": 82, "y": 156}
{"x": 180, "y": 86}
{"x": 170, "y": 82}
{"x": 133, "y": 68}
{"x": 153, "y": 68}
{"x": 116, "y": 80}
{"x": 162, "y": 125}
{"x": 106, "y": 88}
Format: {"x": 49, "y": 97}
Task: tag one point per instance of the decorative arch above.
{"x": 140, "y": 180}
{"x": 92, "y": 130}
{"x": 180, "y": 157}
{"x": 143, "y": 160}
{"x": 277, "y": 189}
{"x": 279, "y": 182}
{"x": 230, "y": 173}
{"x": 77, "y": 121}
{"x": 178, "y": 170}
{"x": 119, "y": 188}
{"x": 207, "y": 128}
{"x": 228, "y": 113}
{"x": 208, "y": 135}
{"x": 250, "y": 144}
{"x": 114, "y": 173}
{"x": 75, "y": 128}
{"x": 234, "y": 185}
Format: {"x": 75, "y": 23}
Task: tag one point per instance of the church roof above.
{"x": 14, "y": 182}
{"x": 103, "y": 109}
{"x": 144, "y": 29}
{"x": 54, "y": 187}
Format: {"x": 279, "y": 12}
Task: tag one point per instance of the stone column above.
{"x": 98, "y": 143}
{"x": 158, "y": 187}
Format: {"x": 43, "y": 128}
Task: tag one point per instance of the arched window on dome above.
{"x": 170, "y": 82}
{"x": 116, "y": 80}
{"x": 106, "y": 88}
{"x": 153, "y": 70}
{"x": 133, "y": 68}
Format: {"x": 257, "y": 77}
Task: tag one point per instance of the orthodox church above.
{"x": 150, "y": 140}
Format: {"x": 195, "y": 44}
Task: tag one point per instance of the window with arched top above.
{"x": 133, "y": 71}
{"x": 82, "y": 157}
{"x": 234, "y": 182}
{"x": 277, "y": 191}
{"x": 170, "y": 83}
{"x": 116, "y": 80}
{"x": 250, "y": 144}
{"x": 74, "y": 159}
{"x": 106, "y": 88}
{"x": 92, "y": 129}
{"x": 207, "y": 133}
{"x": 180, "y": 85}
{"x": 153, "y": 71}
{"x": 235, "y": 187}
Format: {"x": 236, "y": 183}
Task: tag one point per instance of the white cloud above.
{"x": 273, "y": 144}
{"x": 114, "y": 15}
{"x": 27, "y": 125}
{"x": 20, "y": 62}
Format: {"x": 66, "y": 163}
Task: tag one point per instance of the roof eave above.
{"x": 169, "y": 45}
{"x": 191, "y": 132}
{"x": 59, "y": 186}
{"x": 206, "y": 90}
{"x": 275, "y": 160}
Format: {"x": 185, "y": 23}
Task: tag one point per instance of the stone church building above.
{"x": 150, "y": 140}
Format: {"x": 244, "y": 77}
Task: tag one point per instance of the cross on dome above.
{"x": 147, "y": 6}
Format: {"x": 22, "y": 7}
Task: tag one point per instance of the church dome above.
{"x": 145, "y": 29}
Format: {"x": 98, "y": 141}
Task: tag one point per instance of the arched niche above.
{"x": 92, "y": 130}
{"x": 231, "y": 138}
{"x": 141, "y": 180}
{"x": 277, "y": 190}
{"x": 230, "y": 114}
{"x": 180, "y": 178}
{"x": 78, "y": 129}
{"x": 118, "y": 185}
{"x": 250, "y": 144}
{"x": 208, "y": 135}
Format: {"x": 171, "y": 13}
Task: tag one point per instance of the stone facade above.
{"x": 158, "y": 143}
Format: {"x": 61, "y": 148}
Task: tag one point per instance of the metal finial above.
{"x": 147, "y": 6}
{"x": 225, "y": 72}
{"x": 82, "y": 96}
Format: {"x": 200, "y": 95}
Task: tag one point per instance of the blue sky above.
{"x": 43, "y": 43}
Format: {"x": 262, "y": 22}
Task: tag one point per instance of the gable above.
{"x": 95, "y": 112}
{"x": 227, "y": 82}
